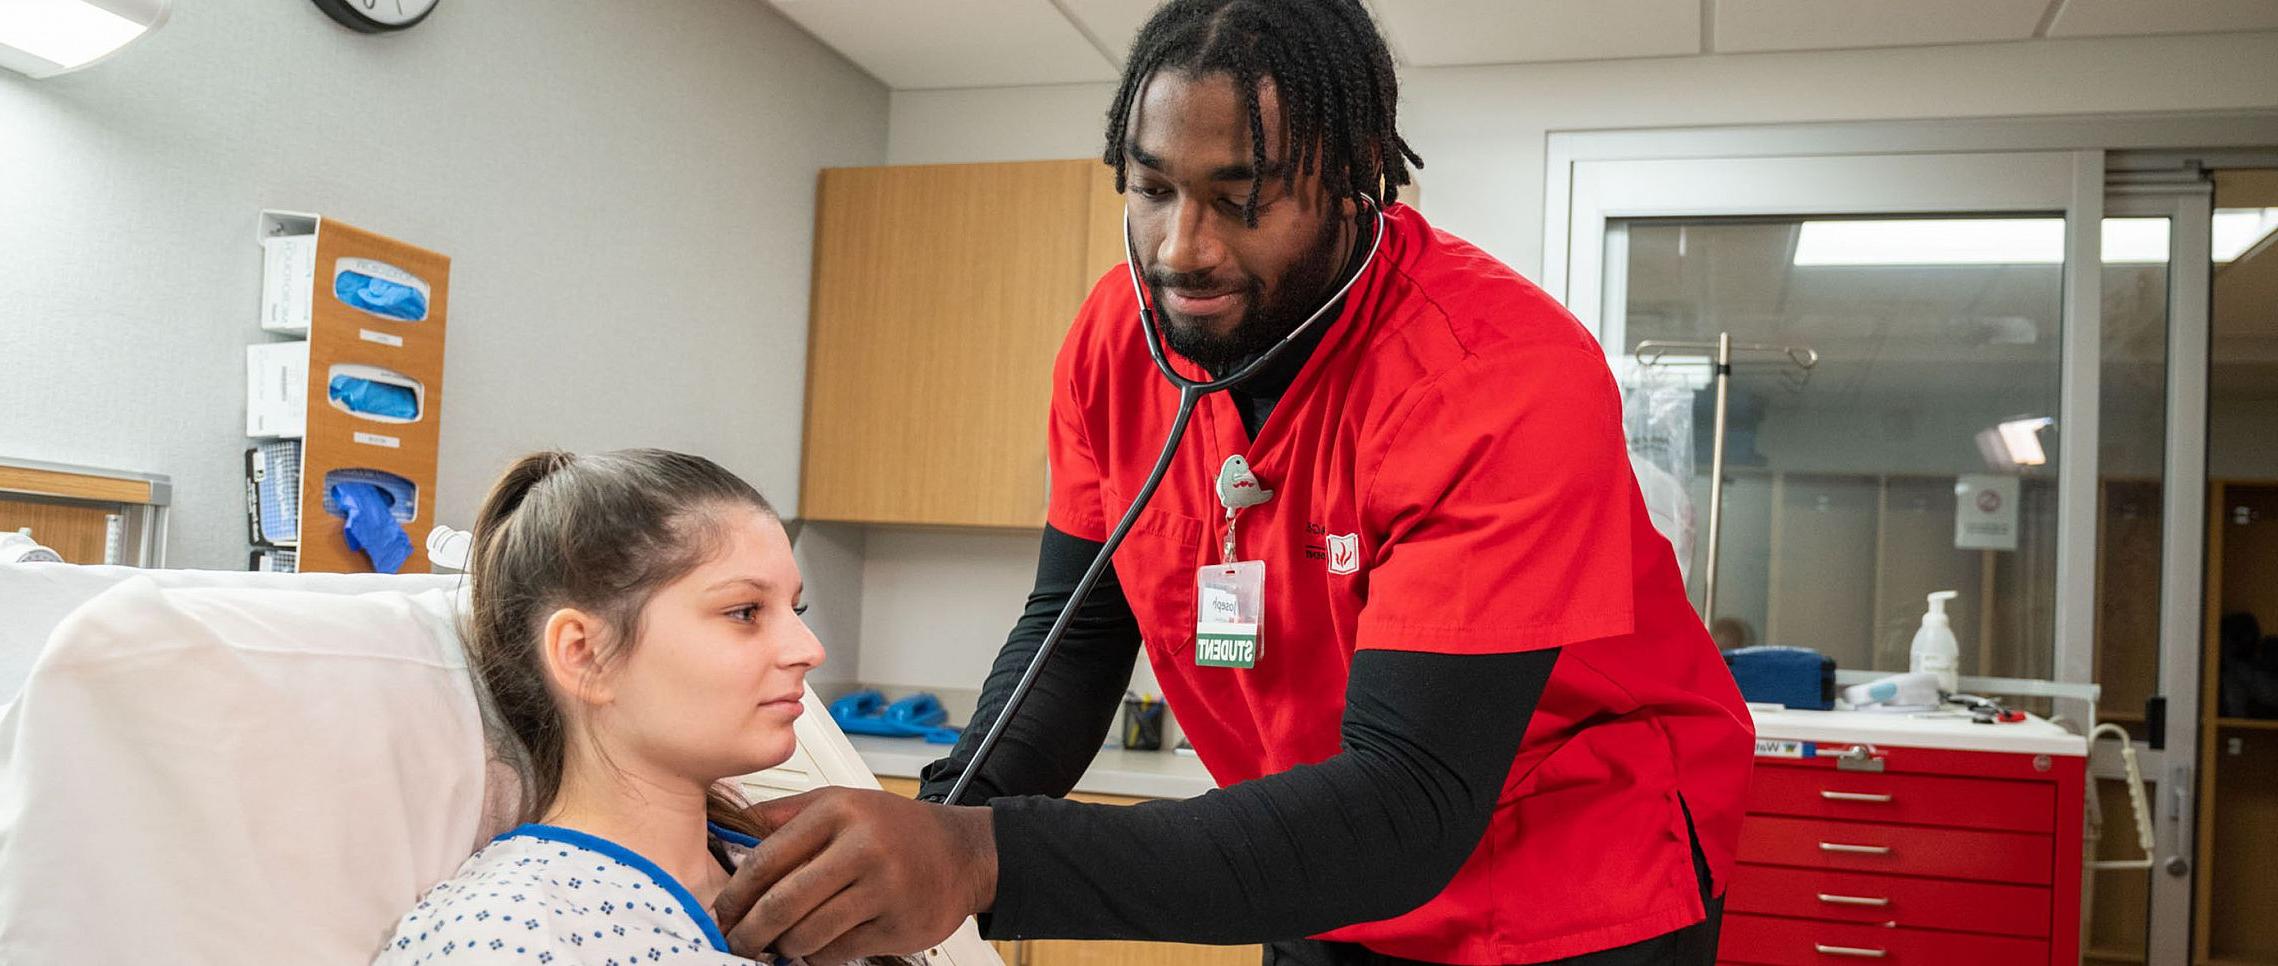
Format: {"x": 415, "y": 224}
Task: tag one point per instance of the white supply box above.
{"x": 288, "y": 282}
{"x": 276, "y": 389}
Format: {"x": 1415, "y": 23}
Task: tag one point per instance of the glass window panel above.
{"x": 1840, "y": 504}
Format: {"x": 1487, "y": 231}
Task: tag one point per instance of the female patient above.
{"x": 636, "y": 625}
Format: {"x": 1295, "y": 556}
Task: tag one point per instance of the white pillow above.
{"x": 236, "y": 776}
{"x": 34, "y": 598}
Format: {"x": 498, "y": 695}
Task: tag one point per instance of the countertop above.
{"x": 1140, "y": 774}
{"x": 1165, "y": 774}
{"x": 2032, "y": 736}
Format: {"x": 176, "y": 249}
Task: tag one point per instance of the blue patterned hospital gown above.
{"x": 546, "y": 894}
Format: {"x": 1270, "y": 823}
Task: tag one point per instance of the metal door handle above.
{"x": 1837, "y": 796}
{"x": 1861, "y": 849}
{"x": 1827, "y": 950}
{"x": 1854, "y": 900}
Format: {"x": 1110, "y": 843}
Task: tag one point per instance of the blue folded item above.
{"x": 918, "y": 716}
{"x": 1797, "y": 677}
{"x": 372, "y": 529}
{"x": 369, "y": 398}
{"x": 380, "y": 296}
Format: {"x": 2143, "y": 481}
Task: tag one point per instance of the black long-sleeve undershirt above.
{"x": 1367, "y": 834}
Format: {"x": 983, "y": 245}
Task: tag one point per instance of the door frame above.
{"x": 2185, "y": 198}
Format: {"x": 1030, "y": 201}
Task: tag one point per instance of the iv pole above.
{"x": 1650, "y": 352}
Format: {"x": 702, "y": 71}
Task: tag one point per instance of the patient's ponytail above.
{"x": 600, "y": 533}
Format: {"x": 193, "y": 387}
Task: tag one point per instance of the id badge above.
{"x": 1230, "y": 613}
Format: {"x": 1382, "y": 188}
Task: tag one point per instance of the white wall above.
{"x": 626, "y": 190}
{"x": 1482, "y": 132}
{"x": 936, "y": 606}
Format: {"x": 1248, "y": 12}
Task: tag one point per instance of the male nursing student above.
{"x": 1480, "y": 722}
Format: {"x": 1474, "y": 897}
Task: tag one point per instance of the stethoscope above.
{"x": 1190, "y": 394}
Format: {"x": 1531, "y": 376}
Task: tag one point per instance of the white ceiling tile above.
{"x": 1114, "y": 23}
{"x": 2092, "y": 18}
{"x": 1751, "y": 25}
{"x": 1437, "y": 33}
{"x": 918, "y": 44}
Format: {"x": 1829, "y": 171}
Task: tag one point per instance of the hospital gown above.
{"x": 551, "y": 895}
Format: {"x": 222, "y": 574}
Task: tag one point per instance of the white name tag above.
{"x": 1230, "y": 614}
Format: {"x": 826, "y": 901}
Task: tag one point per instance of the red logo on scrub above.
{"x": 1344, "y": 553}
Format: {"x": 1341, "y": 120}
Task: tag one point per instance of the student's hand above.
{"x": 851, "y": 872}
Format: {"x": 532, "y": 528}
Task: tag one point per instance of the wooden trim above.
{"x": 73, "y": 486}
{"x": 2247, "y": 724}
{"x": 2210, "y": 665}
{"x": 1988, "y": 585}
{"x": 1880, "y": 581}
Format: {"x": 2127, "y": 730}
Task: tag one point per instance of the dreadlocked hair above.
{"x": 1339, "y": 98}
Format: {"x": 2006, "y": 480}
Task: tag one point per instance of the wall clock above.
{"x": 377, "y": 16}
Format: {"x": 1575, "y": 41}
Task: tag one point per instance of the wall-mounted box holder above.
{"x": 377, "y": 317}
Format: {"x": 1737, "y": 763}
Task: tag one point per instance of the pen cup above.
{"x": 1143, "y": 724}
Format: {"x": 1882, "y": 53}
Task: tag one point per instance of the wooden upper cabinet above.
{"x": 941, "y": 295}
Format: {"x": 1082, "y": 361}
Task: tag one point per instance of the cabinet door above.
{"x": 941, "y": 294}
{"x": 76, "y": 533}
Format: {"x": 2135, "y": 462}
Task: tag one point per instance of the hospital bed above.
{"x": 216, "y": 767}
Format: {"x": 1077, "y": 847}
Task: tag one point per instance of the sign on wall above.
{"x": 1985, "y": 512}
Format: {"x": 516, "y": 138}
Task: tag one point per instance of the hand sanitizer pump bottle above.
{"x": 1935, "y": 651}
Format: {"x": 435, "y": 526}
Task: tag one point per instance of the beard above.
{"x": 1266, "y": 317}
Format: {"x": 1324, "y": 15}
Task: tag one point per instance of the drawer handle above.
{"x": 1860, "y": 849}
{"x": 1854, "y": 900}
{"x": 1827, "y": 950}
{"x": 1835, "y": 796}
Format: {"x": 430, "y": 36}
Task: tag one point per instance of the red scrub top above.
{"x": 1449, "y": 475}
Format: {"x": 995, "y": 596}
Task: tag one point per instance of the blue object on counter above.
{"x": 1797, "y": 677}
{"x": 380, "y": 296}
{"x": 368, "y": 398}
{"x": 918, "y": 716}
{"x": 372, "y": 530}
